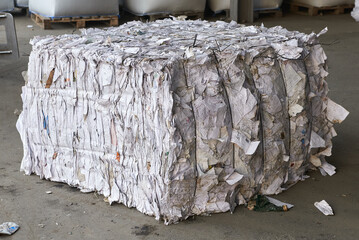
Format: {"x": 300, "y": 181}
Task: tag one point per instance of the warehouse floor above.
{"x": 69, "y": 214}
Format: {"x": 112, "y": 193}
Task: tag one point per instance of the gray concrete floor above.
{"x": 69, "y": 214}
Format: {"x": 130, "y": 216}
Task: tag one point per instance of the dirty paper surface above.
{"x": 178, "y": 118}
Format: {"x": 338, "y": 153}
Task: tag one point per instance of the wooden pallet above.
{"x": 80, "y": 22}
{"x": 258, "y": 13}
{"x": 305, "y": 9}
{"x": 275, "y": 12}
{"x": 190, "y": 15}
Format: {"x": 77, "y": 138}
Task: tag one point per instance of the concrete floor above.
{"x": 69, "y": 214}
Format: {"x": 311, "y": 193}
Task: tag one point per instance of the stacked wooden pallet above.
{"x": 257, "y": 13}
{"x": 188, "y": 14}
{"x": 306, "y": 9}
{"x": 80, "y": 22}
{"x": 274, "y": 12}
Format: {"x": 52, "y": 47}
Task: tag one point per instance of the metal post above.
{"x": 241, "y": 11}
{"x": 234, "y": 10}
{"x": 10, "y": 50}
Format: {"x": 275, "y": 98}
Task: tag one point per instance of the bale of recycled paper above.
{"x": 178, "y": 118}
{"x": 150, "y": 7}
{"x": 22, "y": 3}
{"x": 70, "y": 8}
{"x": 6, "y": 5}
{"x": 220, "y": 5}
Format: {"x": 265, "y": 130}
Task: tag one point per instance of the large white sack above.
{"x": 355, "y": 12}
{"x": 22, "y": 3}
{"x": 6, "y": 5}
{"x": 142, "y": 7}
{"x": 71, "y": 8}
{"x": 219, "y": 5}
{"x": 324, "y": 3}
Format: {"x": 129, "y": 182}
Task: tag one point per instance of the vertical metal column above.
{"x": 241, "y": 11}
{"x": 10, "y": 50}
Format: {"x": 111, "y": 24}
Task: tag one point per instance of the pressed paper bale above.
{"x": 178, "y": 118}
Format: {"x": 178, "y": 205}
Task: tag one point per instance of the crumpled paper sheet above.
{"x": 178, "y": 118}
{"x": 324, "y": 207}
{"x": 8, "y": 228}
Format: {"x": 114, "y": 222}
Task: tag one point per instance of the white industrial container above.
{"x": 148, "y": 7}
{"x": 6, "y": 5}
{"x": 22, "y": 3}
{"x": 325, "y": 3}
{"x": 71, "y": 8}
{"x": 219, "y": 5}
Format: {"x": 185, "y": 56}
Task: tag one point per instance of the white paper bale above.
{"x": 220, "y": 5}
{"x": 6, "y": 5}
{"x": 148, "y": 7}
{"x": 71, "y": 8}
{"x": 178, "y": 118}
